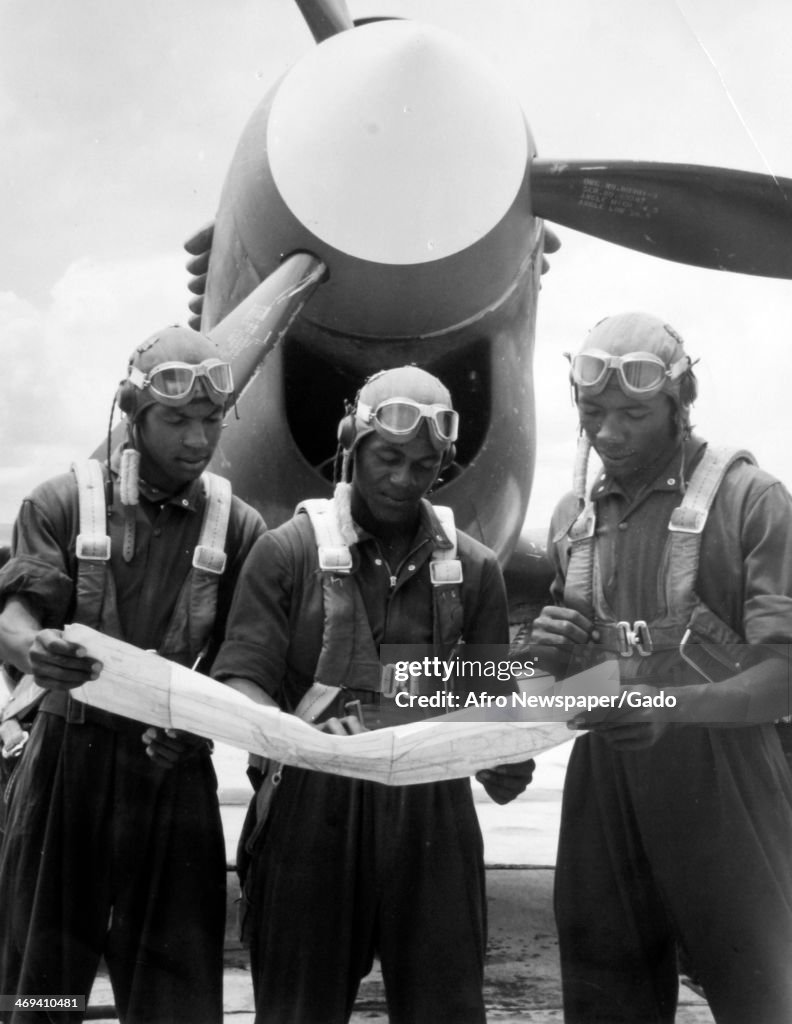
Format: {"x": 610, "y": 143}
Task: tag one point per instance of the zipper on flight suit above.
{"x": 394, "y": 577}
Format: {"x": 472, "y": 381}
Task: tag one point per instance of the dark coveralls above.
{"x": 692, "y": 837}
{"x": 106, "y": 853}
{"x": 347, "y": 869}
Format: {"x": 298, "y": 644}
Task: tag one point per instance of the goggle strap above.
{"x": 137, "y": 378}
{"x": 682, "y": 365}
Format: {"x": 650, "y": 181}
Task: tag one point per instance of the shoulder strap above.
{"x": 93, "y": 541}
{"x": 348, "y": 655}
{"x": 691, "y": 515}
{"x": 445, "y": 572}
{"x": 687, "y": 525}
{"x": 346, "y": 637}
{"x": 195, "y": 610}
{"x": 209, "y": 554}
{"x": 332, "y": 550}
{"x": 579, "y": 581}
{"x": 445, "y": 567}
{"x": 334, "y": 554}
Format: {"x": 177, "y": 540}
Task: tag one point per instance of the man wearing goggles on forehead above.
{"x": 400, "y": 420}
{"x": 639, "y": 373}
{"x": 174, "y": 397}
{"x": 678, "y": 567}
{"x": 114, "y": 843}
{"x": 174, "y": 383}
{"x": 340, "y": 870}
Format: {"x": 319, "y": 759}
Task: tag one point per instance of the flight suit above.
{"x": 348, "y": 869}
{"x": 690, "y": 838}
{"x": 107, "y": 854}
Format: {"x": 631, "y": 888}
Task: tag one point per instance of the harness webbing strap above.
{"x": 445, "y": 568}
{"x": 332, "y": 550}
{"x": 348, "y": 654}
{"x": 196, "y": 606}
{"x": 335, "y": 556}
{"x": 687, "y": 525}
{"x": 445, "y": 572}
{"x": 209, "y": 554}
{"x": 93, "y": 541}
{"x": 580, "y": 570}
{"x": 195, "y": 611}
{"x": 583, "y": 589}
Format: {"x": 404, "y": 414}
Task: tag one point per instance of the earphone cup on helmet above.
{"x": 688, "y": 388}
{"x": 126, "y": 397}
{"x": 347, "y": 431}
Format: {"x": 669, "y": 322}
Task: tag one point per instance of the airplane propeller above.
{"x": 385, "y": 205}
{"x": 709, "y": 217}
{"x": 704, "y": 216}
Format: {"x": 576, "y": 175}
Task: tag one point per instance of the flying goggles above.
{"x": 400, "y": 419}
{"x": 639, "y": 373}
{"x": 174, "y": 383}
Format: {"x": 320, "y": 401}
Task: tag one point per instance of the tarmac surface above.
{"x": 521, "y": 975}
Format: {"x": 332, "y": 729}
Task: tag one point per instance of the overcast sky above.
{"x": 119, "y": 120}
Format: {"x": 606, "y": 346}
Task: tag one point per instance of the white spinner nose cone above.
{"x": 397, "y": 143}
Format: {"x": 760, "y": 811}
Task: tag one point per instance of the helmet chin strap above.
{"x": 346, "y": 465}
{"x": 580, "y": 472}
{"x": 129, "y": 477}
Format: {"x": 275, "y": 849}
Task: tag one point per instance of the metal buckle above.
{"x": 388, "y": 685}
{"x": 92, "y": 547}
{"x": 335, "y": 559}
{"x": 682, "y": 645}
{"x": 625, "y": 639}
{"x": 445, "y": 571}
{"x": 642, "y": 638}
{"x": 209, "y": 559}
{"x": 635, "y": 637}
{"x": 687, "y": 520}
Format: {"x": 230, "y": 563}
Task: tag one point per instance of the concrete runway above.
{"x": 521, "y": 977}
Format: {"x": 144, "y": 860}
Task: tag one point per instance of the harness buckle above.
{"x": 625, "y": 639}
{"x": 335, "y": 558}
{"x": 209, "y": 559}
{"x": 445, "y": 571}
{"x": 634, "y": 637}
{"x": 388, "y": 685}
{"x": 642, "y": 638}
{"x": 92, "y": 547}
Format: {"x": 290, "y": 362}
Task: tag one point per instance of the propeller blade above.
{"x": 325, "y": 18}
{"x": 705, "y": 216}
{"x": 252, "y": 330}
